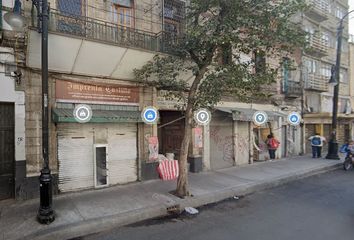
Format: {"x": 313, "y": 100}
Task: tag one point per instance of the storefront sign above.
{"x": 166, "y": 101}
{"x": 77, "y": 92}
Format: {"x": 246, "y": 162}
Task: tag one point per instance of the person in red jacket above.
{"x": 273, "y": 145}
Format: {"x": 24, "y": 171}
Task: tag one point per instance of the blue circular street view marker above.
{"x": 150, "y": 115}
{"x": 294, "y": 118}
{"x": 260, "y": 118}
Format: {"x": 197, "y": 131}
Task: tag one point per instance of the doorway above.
{"x": 100, "y": 165}
{"x": 7, "y": 150}
{"x": 171, "y": 132}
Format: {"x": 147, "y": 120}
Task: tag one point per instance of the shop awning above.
{"x": 246, "y": 114}
{"x": 61, "y": 115}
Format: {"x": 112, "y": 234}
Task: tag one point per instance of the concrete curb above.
{"x": 246, "y": 189}
{"x": 99, "y": 224}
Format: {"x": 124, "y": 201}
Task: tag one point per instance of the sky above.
{"x": 351, "y": 17}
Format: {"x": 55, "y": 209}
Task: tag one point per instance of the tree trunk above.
{"x": 182, "y": 182}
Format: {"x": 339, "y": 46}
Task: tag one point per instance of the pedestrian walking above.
{"x": 273, "y": 145}
{"x": 317, "y": 142}
{"x": 347, "y": 148}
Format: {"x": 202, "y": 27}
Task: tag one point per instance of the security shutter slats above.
{"x": 75, "y": 156}
{"x": 75, "y": 153}
{"x": 122, "y": 154}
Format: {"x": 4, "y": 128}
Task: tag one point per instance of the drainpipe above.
{"x": 302, "y": 86}
{"x": 0, "y": 20}
{"x": 302, "y": 124}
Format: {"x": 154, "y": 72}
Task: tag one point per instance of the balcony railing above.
{"x": 107, "y": 32}
{"x": 292, "y": 89}
{"x": 317, "y": 83}
{"x": 317, "y": 46}
{"x": 319, "y": 10}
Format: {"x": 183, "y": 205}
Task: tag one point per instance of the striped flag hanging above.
{"x": 168, "y": 169}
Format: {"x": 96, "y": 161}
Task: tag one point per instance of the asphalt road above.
{"x": 319, "y": 207}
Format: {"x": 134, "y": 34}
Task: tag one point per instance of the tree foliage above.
{"x": 217, "y": 34}
{"x": 214, "y": 26}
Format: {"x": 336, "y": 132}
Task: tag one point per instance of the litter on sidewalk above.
{"x": 191, "y": 210}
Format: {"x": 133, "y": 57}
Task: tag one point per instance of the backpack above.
{"x": 316, "y": 141}
{"x": 273, "y": 143}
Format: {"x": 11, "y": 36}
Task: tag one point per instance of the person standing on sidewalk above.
{"x": 317, "y": 142}
{"x": 273, "y": 145}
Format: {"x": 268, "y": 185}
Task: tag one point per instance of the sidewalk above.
{"x": 92, "y": 211}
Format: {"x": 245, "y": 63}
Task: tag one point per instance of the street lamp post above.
{"x": 45, "y": 212}
{"x": 333, "y": 144}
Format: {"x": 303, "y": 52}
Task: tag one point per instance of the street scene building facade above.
{"x": 321, "y": 22}
{"x": 94, "y": 47}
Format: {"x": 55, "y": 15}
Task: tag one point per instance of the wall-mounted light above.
{"x": 332, "y": 81}
{"x": 17, "y": 75}
{"x": 14, "y": 18}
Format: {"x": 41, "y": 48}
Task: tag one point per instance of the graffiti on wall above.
{"x": 241, "y": 143}
{"x": 222, "y": 143}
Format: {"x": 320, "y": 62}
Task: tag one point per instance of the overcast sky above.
{"x": 351, "y": 17}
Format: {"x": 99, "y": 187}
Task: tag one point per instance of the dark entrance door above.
{"x": 7, "y": 150}
{"x": 171, "y": 131}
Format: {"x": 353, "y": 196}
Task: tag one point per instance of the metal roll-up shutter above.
{"x": 122, "y": 153}
{"x": 75, "y": 157}
{"x": 221, "y": 141}
{"x": 242, "y": 143}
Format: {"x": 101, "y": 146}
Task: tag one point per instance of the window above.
{"x": 71, "y": 8}
{"x": 325, "y": 39}
{"x": 123, "y": 12}
{"x": 340, "y": 12}
{"x": 310, "y": 32}
{"x": 286, "y": 74}
{"x": 344, "y": 46}
{"x": 326, "y": 70}
{"x": 71, "y": 12}
{"x": 310, "y": 65}
{"x": 226, "y": 54}
{"x": 260, "y": 61}
{"x": 323, "y": 5}
{"x": 174, "y": 14}
{"x": 343, "y": 77}
{"x": 173, "y": 20}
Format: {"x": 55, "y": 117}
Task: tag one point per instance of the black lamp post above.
{"x": 45, "y": 213}
{"x": 333, "y": 144}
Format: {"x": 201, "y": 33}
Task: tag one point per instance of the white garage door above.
{"x": 221, "y": 142}
{"x": 122, "y": 153}
{"x": 75, "y": 157}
